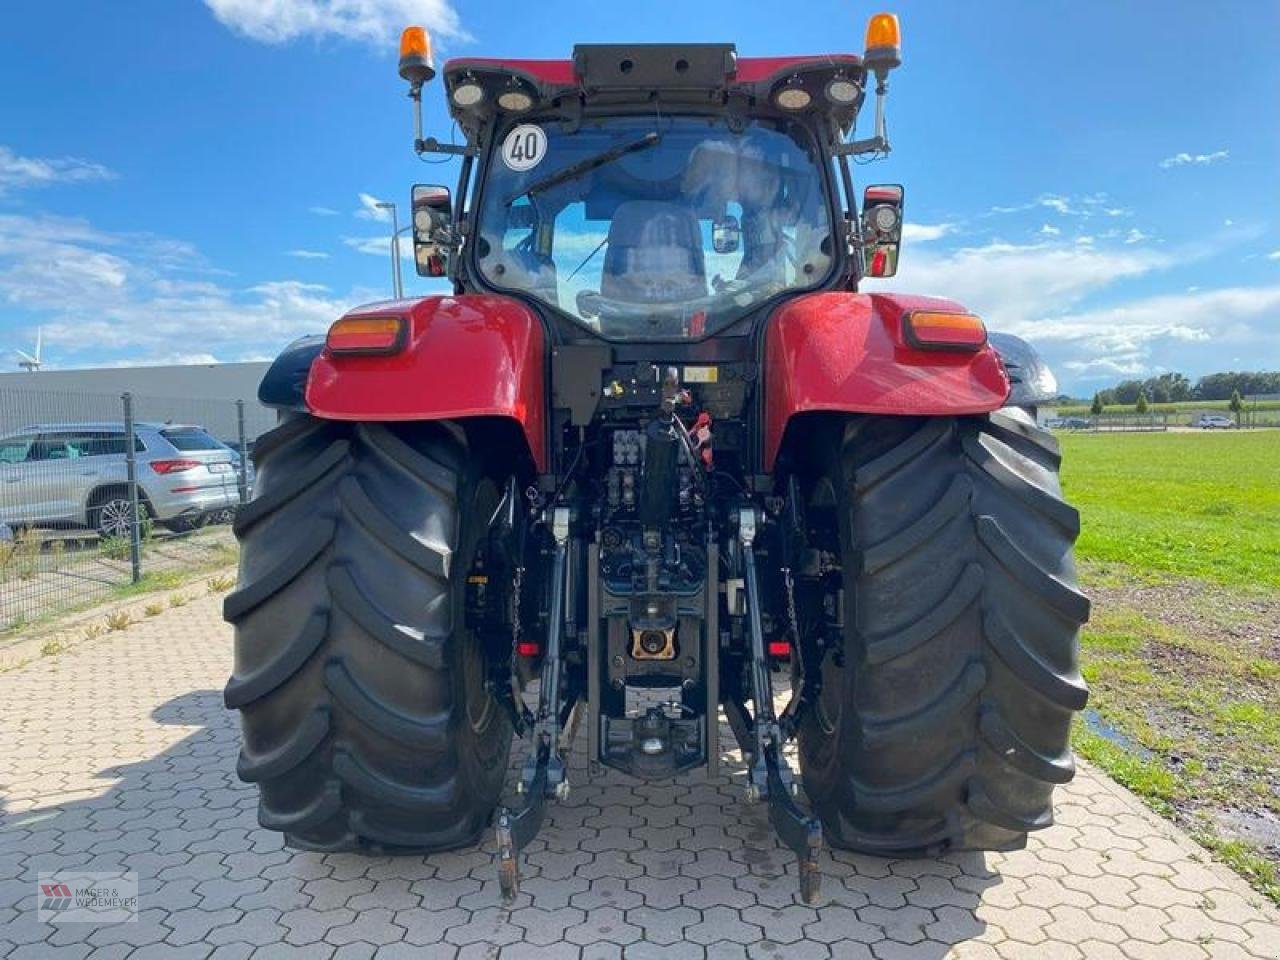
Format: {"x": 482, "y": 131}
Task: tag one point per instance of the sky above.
{"x": 195, "y": 180}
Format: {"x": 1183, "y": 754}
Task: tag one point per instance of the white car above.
{"x": 1214, "y": 421}
{"x": 77, "y": 473}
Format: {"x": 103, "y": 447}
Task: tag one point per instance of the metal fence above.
{"x": 1246, "y": 419}
{"x": 85, "y": 514}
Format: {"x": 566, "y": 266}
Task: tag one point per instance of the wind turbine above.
{"x": 28, "y": 362}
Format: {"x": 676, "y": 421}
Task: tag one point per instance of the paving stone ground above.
{"x": 119, "y": 755}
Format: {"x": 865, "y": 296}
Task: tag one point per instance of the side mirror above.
{"x": 432, "y": 229}
{"x": 881, "y": 229}
{"x": 726, "y": 234}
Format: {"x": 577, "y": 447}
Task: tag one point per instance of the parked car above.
{"x": 1214, "y": 421}
{"x": 1068, "y": 423}
{"x": 76, "y": 473}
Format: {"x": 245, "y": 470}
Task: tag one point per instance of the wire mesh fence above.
{"x": 99, "y": 493}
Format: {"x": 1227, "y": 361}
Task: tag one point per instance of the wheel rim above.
{"x": 821, "y": 507}
{"x": 828, "y": 708}
{"x": 480, "y": 704}
{"x": 115, "y": 518}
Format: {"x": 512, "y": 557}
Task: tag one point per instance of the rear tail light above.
{"x": 929, "y": 330}
{"x": 366, "y": 335}
{"x": 527, "y": 648}
{"x": 167, "y": 467}
{"x": 780, "y": 649}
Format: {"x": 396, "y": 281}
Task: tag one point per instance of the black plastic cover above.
{"x": 631, "y": 66}
{"x": 286, "y": 380}
{"x": 1032, "y": 381}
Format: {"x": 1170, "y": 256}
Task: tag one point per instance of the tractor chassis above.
{"x": 761, "y": 734}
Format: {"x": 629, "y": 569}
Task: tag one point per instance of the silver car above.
{"x": 76, "y": 473}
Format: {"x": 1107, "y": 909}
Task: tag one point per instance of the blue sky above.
{"x": 186, "y": 180}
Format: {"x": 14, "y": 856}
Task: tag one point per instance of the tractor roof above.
{"x": 630, "y": 73}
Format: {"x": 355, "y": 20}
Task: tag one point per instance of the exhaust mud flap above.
{"x": 543, "y": 775}
{"x": 769, "y": 777}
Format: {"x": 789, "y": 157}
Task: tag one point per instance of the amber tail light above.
{"x": 929, "y": 330}
{"x": 366, "y": 335}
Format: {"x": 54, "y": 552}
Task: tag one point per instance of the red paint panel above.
{"x": 846, "y": 352}
{"x": 557, "y": 72}
{"x": 755, "y": 69}
{"x": 561, "y": 73}
{"x": 467, "y": 356}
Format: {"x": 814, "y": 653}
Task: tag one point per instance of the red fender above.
{"x": 845, "y": 352}
{"x": 467, "y": 356}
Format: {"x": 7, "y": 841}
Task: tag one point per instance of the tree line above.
{"x": 1175, "y": 388}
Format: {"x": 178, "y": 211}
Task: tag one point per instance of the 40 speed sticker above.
{"x": 524, "y": 147}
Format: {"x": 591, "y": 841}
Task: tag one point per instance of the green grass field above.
{"x": 1199, "y": 505}
{"x": 1180, "y": 549}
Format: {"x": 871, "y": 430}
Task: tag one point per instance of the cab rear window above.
{"x": 189, "y": 439}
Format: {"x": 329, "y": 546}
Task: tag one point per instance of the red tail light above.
{"x": 780, "y": 649}
{"x": 527, "y": 648}
{"x": 174, "y": 466}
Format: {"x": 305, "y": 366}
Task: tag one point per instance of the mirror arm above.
{"x": 432, "y": 145}
{"x": 879, "y": 143}
{"x": 857, "y": 148}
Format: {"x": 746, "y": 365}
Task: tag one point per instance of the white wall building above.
{"x": 201, "y": 394}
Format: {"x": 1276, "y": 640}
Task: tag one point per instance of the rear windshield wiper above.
{"x": 583, "y": 166}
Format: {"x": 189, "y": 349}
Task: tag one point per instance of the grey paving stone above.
{"x": 369, "y": 926}
{"x": 624, "y": 871}
{"x": 721, "y": 924}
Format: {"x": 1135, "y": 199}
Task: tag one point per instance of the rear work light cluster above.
{"x": 930, "y": 330}
{"x": 367, "y": 335}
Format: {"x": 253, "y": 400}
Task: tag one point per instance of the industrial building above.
{"x": 204, "y": 394}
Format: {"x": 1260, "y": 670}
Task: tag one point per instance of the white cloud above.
{"x": 1274, "y": 255}
{"x": 1085, "y": 205}
{"x": 1193, "y": 159}
{"x": 379, "y": 246}
{"x": 1136, "y": 236}
{"x": 323, "y": 211}
{"x": 1059, "y": 204}
{"x": 21, "y": 173}
{"x": 1016, "y": 285}
{"x": 1049, "y": 230}
{"x": 925, "y": 232}
{"x": 1040, "y": 291}
{"x": 107, "y": 298}
{"x": 370, "y": 21}
{"x": 308, "y": 254}
{"x": 1158, "y": 332}
{"x": 369, "y": 209}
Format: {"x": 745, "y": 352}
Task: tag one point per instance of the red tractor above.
{"x": 654, "y": 451}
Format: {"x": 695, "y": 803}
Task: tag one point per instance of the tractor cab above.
{"x": 656, "y": 192}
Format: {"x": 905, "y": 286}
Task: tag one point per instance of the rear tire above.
{"x": 366, "y": 720}
{"x": 943, "y": 724}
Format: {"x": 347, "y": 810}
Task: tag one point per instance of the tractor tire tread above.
{"x": 349, "y": 672}
{"x": 954, "y": 694}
